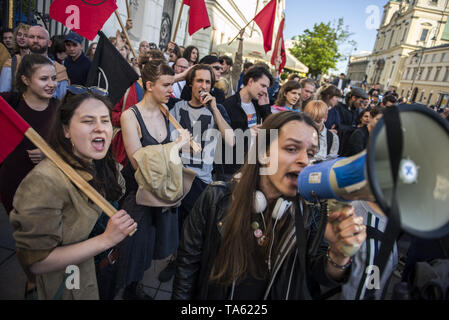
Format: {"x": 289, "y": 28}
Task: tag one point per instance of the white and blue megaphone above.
{"x": 422, "y": 188}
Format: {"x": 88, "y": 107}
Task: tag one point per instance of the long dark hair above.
{"x": 188, "y": 53}
{"x": 235, "y": 257}
{"x": 286, "y": 88}
{"x": 104, "y": 171}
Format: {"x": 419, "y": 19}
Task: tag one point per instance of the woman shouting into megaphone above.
{"x": 251, "y": 238}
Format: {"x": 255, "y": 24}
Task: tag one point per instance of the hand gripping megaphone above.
{"x": 421, "y": 189}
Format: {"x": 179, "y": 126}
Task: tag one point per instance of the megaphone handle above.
{"x": 335, "y": 205}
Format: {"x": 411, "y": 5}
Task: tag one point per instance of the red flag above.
{"x": 12, "y": 129}
{"x": 84, "y": 17}
{"x": 198, "y": 17}
{"x": 265, "y": 21}
{"x": 276, "y": 51}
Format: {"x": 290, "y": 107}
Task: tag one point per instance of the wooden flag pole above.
{"x": 239, "y": 32}
{"x": 172, "y": 120}
{"x": 164, "y": 110}
{"x": 126, "y": 33}
{"x": 127, "y": 8}
{"x": 82, "y": 184}
{"x": 177, "y": 21}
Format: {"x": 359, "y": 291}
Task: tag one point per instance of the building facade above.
{"x": 155, "y": 21}
{"x": 426, "y": 76}
{"x": 407, "y": 26}
{"x": 357, "y": 66}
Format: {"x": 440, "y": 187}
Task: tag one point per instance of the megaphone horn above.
{"x": 422, "y": 189}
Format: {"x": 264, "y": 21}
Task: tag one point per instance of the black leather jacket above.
{"x": 201, "y": 240}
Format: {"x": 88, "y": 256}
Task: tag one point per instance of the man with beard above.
{"x": 38, "y": 43}
{"x": 343, "y": 117}
{"x": 217, "y": 93}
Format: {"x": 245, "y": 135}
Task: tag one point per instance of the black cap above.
{"x": 359, "y": 93}
{"x": 209, "y": 60}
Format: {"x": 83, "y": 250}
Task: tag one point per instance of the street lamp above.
{"x": 421, "y": 54}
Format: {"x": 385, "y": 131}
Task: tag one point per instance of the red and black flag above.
{"x": 85, "y": 17}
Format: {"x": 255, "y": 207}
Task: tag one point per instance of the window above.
{"x": 437, "y": 74}
{"x": 446, "y": 75}
{"x": 406, "y": 73}
{"x": 421, "y": 73}
{"x": 428, "y": 73}
{"x": 403, "y": 35}
{"x": 415, "y": 71}
{"x": 422, "y": 96}
{"x": 443, "y": 55}
{"x": 430, "y": 97}
{"x": 391, "y": 39}
{"x": 424, "y": 35}
{"x": 434, "y": 2}
{"x": 434, "y": 58}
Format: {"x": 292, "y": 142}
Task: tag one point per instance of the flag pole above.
{"x": 177, "y": 21}
{"x": 126, "y": 33}
{"x": 82, "y": 184}
{"x": 196, "y": 148}
{"x": 239, "y": 32}
{"x": 127, "y": 8}
{"x": 247, "y": 24}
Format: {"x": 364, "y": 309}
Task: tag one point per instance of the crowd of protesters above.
{"x": 220, "y": 221}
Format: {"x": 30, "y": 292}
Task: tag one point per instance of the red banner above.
{"x": 265, "y": 20}
{"x": 279, "y": 43}
{"x": 198, "y": 16}
{"x": 12, "y": 129}
{"x": 82, "y": 16}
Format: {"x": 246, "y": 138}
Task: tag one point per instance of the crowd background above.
{"x": 239, "y": 95}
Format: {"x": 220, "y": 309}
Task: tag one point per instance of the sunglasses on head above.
{"x": 77, "y": 89}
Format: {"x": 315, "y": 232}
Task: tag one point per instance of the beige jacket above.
{"x": 49, "y": 211}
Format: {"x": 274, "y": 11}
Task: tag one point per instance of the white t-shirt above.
{"x": 250, "y": 111}
{"x": 177, "y": 88}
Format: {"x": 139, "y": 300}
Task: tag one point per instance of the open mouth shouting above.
{"x": 99, "y": 144}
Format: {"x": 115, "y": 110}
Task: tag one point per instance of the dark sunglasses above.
{"x": 77, "y": 89}
{"x": 218, "y": 68}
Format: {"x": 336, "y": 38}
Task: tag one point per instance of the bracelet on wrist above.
{"x": 336, "y": 265}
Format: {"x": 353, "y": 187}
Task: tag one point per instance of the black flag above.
{"x": 110, "y": 70}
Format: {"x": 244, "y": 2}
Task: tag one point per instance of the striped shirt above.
{"x": 363, "y": 275}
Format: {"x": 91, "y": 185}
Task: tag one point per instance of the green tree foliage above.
{"x": 320, "y": 48}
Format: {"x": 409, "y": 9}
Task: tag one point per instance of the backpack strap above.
{"x": 330, "y": 140}
{"x": 13, "y": 72}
